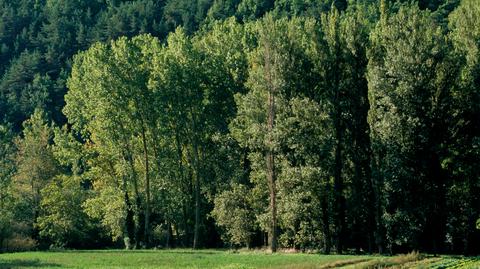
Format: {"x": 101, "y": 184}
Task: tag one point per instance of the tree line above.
{"x": 334, "y": 126}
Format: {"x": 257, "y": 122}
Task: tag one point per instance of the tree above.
{"x": 338, "y": 86}
{"x": 128, "y": 19}
{"x": 233, "y": 213}
{"x": 185, "y": 13}
{"x": 103, "y": 91}
{"x": 35, "y": 168}
{"x": 409, "y": 81}
{"x": 255, "y": 126}
{"x": 177, "y": 84}
{"x": 305, "y": 179}
{"x": 464, "y": 132}
{"x": 63, "y": 221}
{"x": 7, "y": 169}
{"x": 223, "y": 9}
{"x": 251, "y": 10}
{"x": 16, "y": 93}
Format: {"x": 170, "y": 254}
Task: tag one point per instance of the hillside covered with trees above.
{"x": 331, "y": 125}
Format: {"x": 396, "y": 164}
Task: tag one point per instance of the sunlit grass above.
{"x": 167, "y": 259}
{"x": 218, "y": 259}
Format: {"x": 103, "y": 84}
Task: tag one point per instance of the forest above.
{"x": 329, "y": 125}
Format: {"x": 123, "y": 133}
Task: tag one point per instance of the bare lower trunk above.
{"x": 196, "y": 164}
{"x": 273, "y": 203}
{"x": 271, "y": 173}
{"x": 197, "y": 215}
{"x": 182, "y": 177}
{"x": 338, "y": 187}
{"x": 147, "y": 190}
{"x": 137, "y": 198}
{"x": 326, "y": 222}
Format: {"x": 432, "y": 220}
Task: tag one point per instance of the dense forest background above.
{"x": 326, "y": 125}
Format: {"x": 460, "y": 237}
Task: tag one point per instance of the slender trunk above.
{"x": 326, "y": 221}
{"x": 197, "y": 177}
{"x": 182, "y": 178}
{"x": 271, "y": 173}
{"x": 169, "y": 235}
{"x": 197, "y": 215}
{"x": 438, "y": 216}
{"x": 377, "y": 184}
{"x": 273, "y": 203}
{"x": 339, "y": 198}
{"x": 129, "y": 224}
{"x": 137, "y": 197}
{"x": 147, "y": 190}
{"x": 127, "y": 153}
{"x": 36, "y": 209}
{"x": 338, "y": 182}
{"x": 271, "y": 79}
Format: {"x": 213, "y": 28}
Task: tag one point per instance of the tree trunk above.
{"x": 271, "y": 80}
{"x": 326, "y": 221}
{"x": 377, "y": 184}
{"x": 137, "y": 197}
{"x": 271, "y": 173}
{"x": 338, "y": 179}
{"x": 197, "y": 203}
{"x": 273, "y": 203}
{"x": 197, "y": 172}
{"x": 127, "y": 153}
{"x": 182, "y": 177}
{"x": 339, "y": 198}
{"x": 147, "y": 190}
{"x": 129, "y": 229}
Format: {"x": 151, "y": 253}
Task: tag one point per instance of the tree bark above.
{"x": 271, "y": 175}
{"x": 197, "y": 201}
{"x": 197, "y": 172}
{"x": 270, "y": 155}
{"x": 137, "y": 197}
{"x": 147, "y": 189}
{"x": 326, "y": 221}
{"x": 338, "y": 191}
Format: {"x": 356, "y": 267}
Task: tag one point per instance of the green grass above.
{"x": 167, "y": 259}
{"x": 222, "y": 259}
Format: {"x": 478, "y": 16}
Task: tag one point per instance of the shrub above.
{"x": 19, "y": 243}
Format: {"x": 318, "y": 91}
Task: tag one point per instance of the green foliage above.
{"x": 7, "y": 169}
{"x": 331, "y": 125}
{"x": 108, "y": 207}
{"x": 464, "y": 150}
{"x": 233, "y": 213}
{"x": 62, "y": 220}
{"x": 251, "y": 9}
{"x": 35, "y": 168}
{"x": 410, "y": 79}
{"x": 19, "y": 92}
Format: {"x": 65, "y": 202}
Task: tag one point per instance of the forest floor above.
{"x": 222, "y": 260}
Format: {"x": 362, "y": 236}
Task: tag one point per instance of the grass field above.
{"x": 220, "y": 259}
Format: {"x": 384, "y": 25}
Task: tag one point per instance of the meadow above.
{"x": 222, "y": 259}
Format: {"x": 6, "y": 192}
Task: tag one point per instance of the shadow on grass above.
{"x": 11, "y": 264}
{"x": 149, "y": 251}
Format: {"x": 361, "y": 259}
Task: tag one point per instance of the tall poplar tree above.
{"x": 409, "y": 82}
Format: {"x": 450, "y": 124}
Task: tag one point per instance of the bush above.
{"x": 394, "y": 262}
{"x": 19, "y": 243}
{"x": 233, "y": 213}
